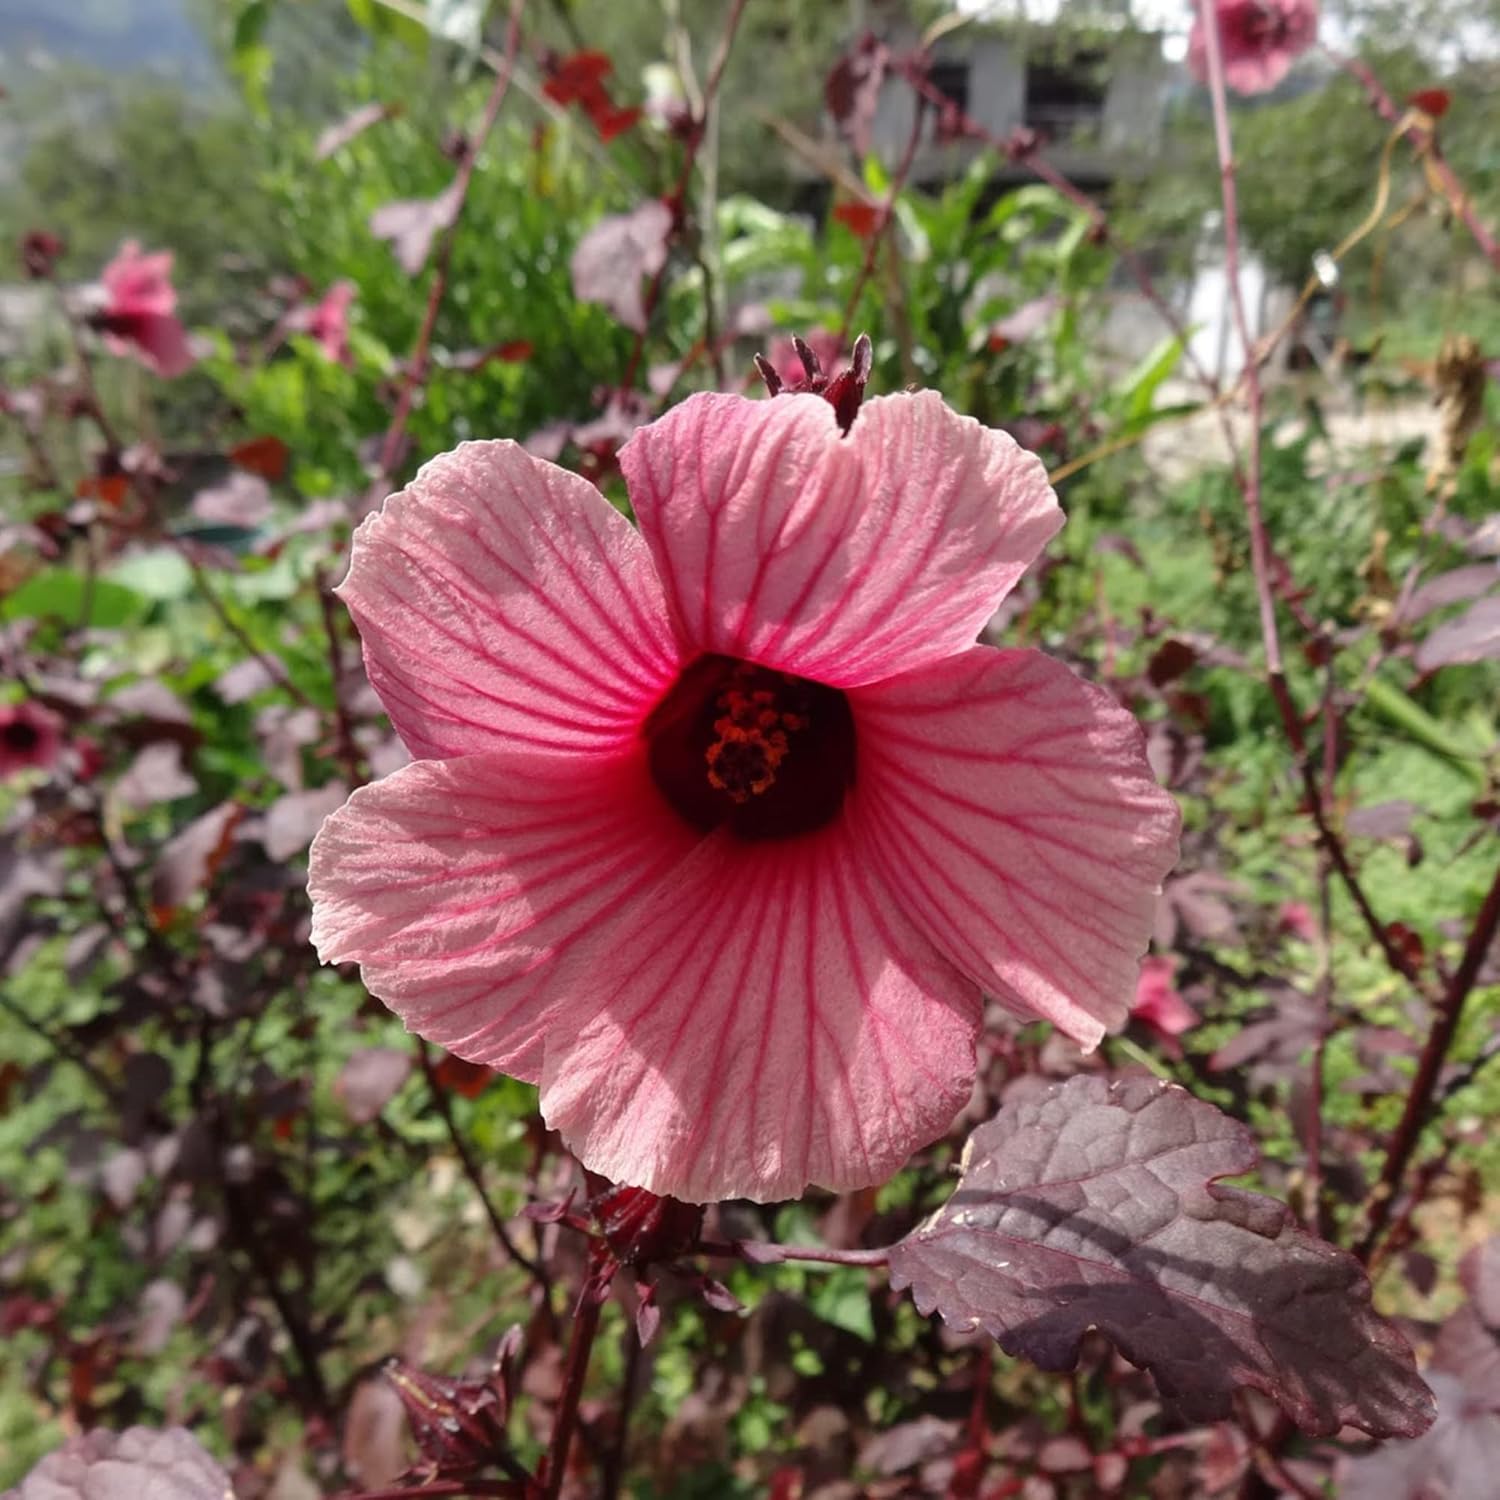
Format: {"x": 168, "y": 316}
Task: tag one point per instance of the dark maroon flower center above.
{"x": 1262, "y": 26}
{"x": 767, "y": 753}
{"x": 19, "y": 737}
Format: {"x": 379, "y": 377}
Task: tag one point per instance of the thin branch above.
{"x": 1250, "y": 489}
{"x": 415, "y": 372}
{"x": 1418, "y": 130}
{"x": 471, "y": 1170}
{"x": 269, "y": 664}
{"x": 886, "y": 218}
{"x": 678, "y": 195}
{"x": 1249, "y": 477}
{"x": 348, "y": 749}
{"x": 1421, "y": 1097}
{"x": 762, "y": 1253}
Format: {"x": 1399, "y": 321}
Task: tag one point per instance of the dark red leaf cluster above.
{"x": 579, "y": 79}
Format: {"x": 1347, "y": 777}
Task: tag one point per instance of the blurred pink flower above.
{"x": 327, "y": 320}
{"x": 719, "y": 829}
{"x": 139, "y": 314}
{"x": 1261, "y": 39}
{"x": 31, "y": 737}
{"x": 1296, "y": 919}
{"x": 1159, "y": 1005}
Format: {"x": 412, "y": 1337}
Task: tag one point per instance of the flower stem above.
{"x": 580, "y": 1347}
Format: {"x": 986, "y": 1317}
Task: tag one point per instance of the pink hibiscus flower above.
{"x": 327, "y": 320}
{"x": 31, "y": 738}
{"x": 719, "y": 829}
{"x": 1260, "y": 39}
{"x": 1159, "y": 1005}
{"x": 139, "y": 313}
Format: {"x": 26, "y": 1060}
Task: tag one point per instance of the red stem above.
{"x": 678, "y": 195}
{"x": 1260, "y": 561}
{"x": 1419, "y": 1098}
{"x": 580, "y": 1346}
{"x": 882, "y": 229}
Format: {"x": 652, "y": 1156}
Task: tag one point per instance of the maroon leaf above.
{"x": 1382, "y": 820}
{"x": 852, "y": 90}
{"x": 243, "y": 680}
{"x": 1194, "y": 903}
{"x": 1023, "y": 322}
{"x": 187, "y": 861}
{"x": 613, "y": 257}
{"x": 1096, "y": 1205}
{"x": 129, "y": 1465}
{"x": 155, "y": 775}
{"x": 409, "y": 225}
{"x": 1457, "y": 1460}
{"x": 1457, "y": 586}
{"x": 337, "y": 136}
{"x": 161, "y": 1309}
{"x": 374, "y": 1447}
{"x": 369, "y": 1080}
{"x": 1170, "y": 660}
{"x": 908, "y": 1444}
{"x": 292, "y": 820}
{"x": 1473, "y": 636}
{"x": 240, "y": 499}
{"x": 1479, "y": 1271}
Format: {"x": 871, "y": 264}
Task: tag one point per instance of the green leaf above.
{"x": 843, "y": 1299}
{"x": 1137, "y": 390}
{"x": 252, "y": 60}
{"x": 161, "y": 575}
{"x": 379, "y": 21}
{"x": 63, "y": 595}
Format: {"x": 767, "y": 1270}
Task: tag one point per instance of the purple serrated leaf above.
{"x": 410, "y": 224}
{"x": 1458, "y": 1459}
{"x": 611, "y": 260}
{"x": 369, "y": 1081}
{"x": 1382, "y": 820}
{"x": 1454, "y": 587}
{"x": 187, "y": 861}
{"x": 1479, "y": 1271}
{"x": 1097, "y": 1206}
{"x": 292, "y": 820}
{"x": 338, "y": 135}
{"x": 1472, "y": 636}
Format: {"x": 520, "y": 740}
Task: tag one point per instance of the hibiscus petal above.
{"x": 772, "y": 1021}
{"x": 165, "y": 347}
{"x": 843, "y": 559}
{"x": 457, "y": 885}
{"x": 504, "y": 604}
{"x": 1014, "y": 815}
